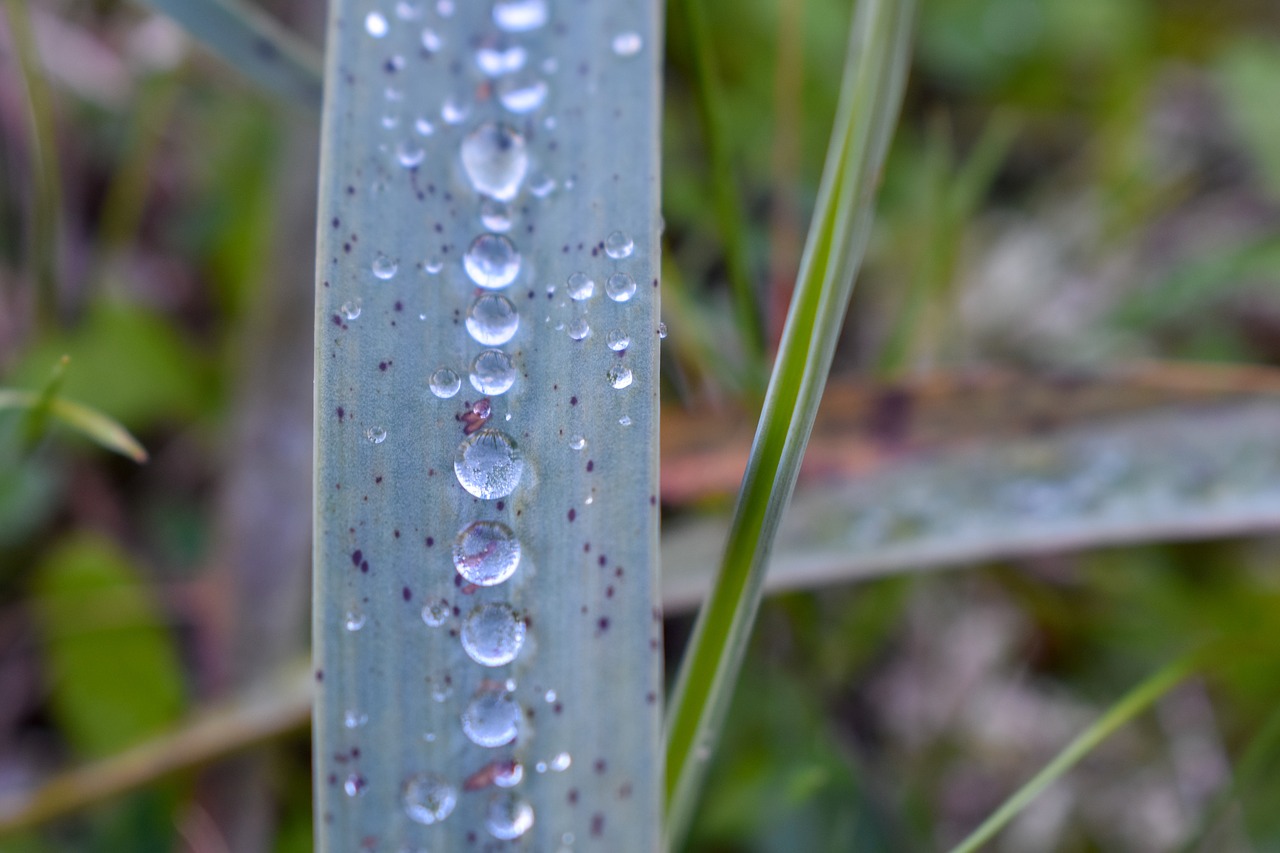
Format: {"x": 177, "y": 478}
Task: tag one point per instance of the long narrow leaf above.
{"x": 870, "y": 98}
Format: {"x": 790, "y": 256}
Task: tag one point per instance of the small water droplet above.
{"x": 579, "y": 329}
{"x": 423, "y": 127}
{"x": 508, "y": 817}
{"x": 542, "y": 186}
{"x": 435, "y": 614}
{"x": 620, "y": 287}
{"x": 390, "y": 122}
{"x": 350, "y": 310}
{"x": 431, "y": 41}
{"x": 455, "y": 110}
{"x": 354, "y": 621}
{"x": 493, "y": 634}
{"x": 625, "y": 420}
{"x": 662, "y": 331}
{"x": 540, "y": 767}
{"x": 429, "y": 737}
{"x": 618, "y": 340}
{"x": 432, "y": 266}
{"x": 581, "y": 286}
{"x": 627, "y": 44}
{"x": 496, "y": 60}
{"x": 492, "y": 320}
{"x": 445, "y": 383}
{"x": 495, "y": 158}
{"x": 619, "y": 376}
{"x": 522, "y": 96}
{"x": 391, "y": 93}
{"x": 354, "y": 719}
{"x": 410, "y": 154}
{"x": 384, "y": 268}
{"x": 445, "y": 8}
{"x": 375, "y": 24}
{"x": 492, "y": 372}
{"x": 486, "y": 553}
{"x": 492, "y": 261}
{"x": 618, "y": 246}
{"x": 428, "y": 799}
{"x": 577, "y": 442}
{"x": 561, "y": 762}
{"x": 518, "y": 16}
{"x": 406, "y": 11}
{"x": 375, "y": 435}
{"x": 508, "y": 774}
{"x": 354, "y": 785}
{"x": 491, "y": 717}
{"x": 442, "y": 691}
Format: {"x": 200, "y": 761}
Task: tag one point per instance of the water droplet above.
{"x": 354, "y": 785}
{"x": 390, "y": 122}
{"x": 492, "y": 372}
{"x": 627, "y": 44}
{"x": 495, "y": 159}
{"x": 442, "y": 691}
{"x": 444, "y": 8}
{"x": 354, "y": 621}
{"x": 436, "y": 613}
{"x": 496, "y": 60}
{"x": 618, "y": 246}
{"x": 429, "y": 737}
{"x": 620, "y": 287}
{"x": 522, "y": 96}
{"x": 423, "y": 127}
{"x": 577, "y": 442}
{"x": 384, "y": 268}
{"x": 495, "y": 215}
{"x": 410, "y": 154}
{"x": 662, "y": 331}
{"x": 625, "y": 420}
{"x": 579, "y": 329}
{"x": 508, "y": 817}
{"x": 454, "y": 110}
{"x": 486, "y": 553}
{"x": 431, "y": 41}
{"x": 619, "y": 376}
{"x": 445, "y": 383}
{"x": 488, "y": 464}
{"x": 540, "y": 767}
{"x": 581, "y": 286}
{"x": 431, "y": 266}
{"x": 350, "y": 310}
{"x": 493, "y": 634}
{"x": 492, "y": 320}
{"x": 391, "y": 93}
{"x": 354, "y": 719}
{"x": 375, "y": 24}
{"x": 508, "y": 774}
{"x": 518, "y": 16}
{"x": 550, "y": 696}
{"x": 561, "y": 762}
{"x": 491, "y": 718}
{"x": 542, "y": 186}
{"x": 428, "y": 799}
{"x": 406, "y": 11}
{"x": 618, "y": 340}
{"x": 375, "y": 435}
{"x": 492, "y": 261}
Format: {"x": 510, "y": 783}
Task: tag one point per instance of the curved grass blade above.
{"x": 90, "y": 423}
{"x": 249, "y": 40}
{"x": 870, "y": 96}
{"x": 471, "y": 410}
{"x": 1130, "y": 705}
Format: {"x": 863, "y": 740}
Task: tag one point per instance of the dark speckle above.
{"x": 382, "y": 365}
{"x": 431, "y": 540}
{"x": 573, "y": 513}
{"x": 342, "y": 413}
{"x": 406, "y": 594}
{"x": 319, "y": 675}
{"x": 603, "y": 624}
{"x": 573, "y": 401}
{"x": 597, "y": 825}
{"x": 356, "y": 556}
{"x": 602, "y": 561}
{"x": 600, "y": 765}
{"x": 573, "y": 796}
{"x": 591, "y": 465}
{"x": 364, "y": 567}
{"x": 377, "y": 479}
{"x": 624, "y": 792}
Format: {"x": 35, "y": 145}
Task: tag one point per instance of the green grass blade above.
{"x": 249, "y": 40}
{"x": 870, "y": 97}
{"x": 92, "y": 424}
{"x": 1133, "y": 703}
{"x": 399, "y": 207}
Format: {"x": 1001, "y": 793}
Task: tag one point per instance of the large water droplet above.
{"x": 493, "y": 634}
{"x": 579, "y": 329}
{"x": 428, "y": 799}
{"x": 627, "y": 44}
{"x": 492, "y": 320}
{"x": 517, "y": 16}
{"x": 581, "y": 286}
{"x": 619, "y": 376}
{"x": 445, "y": 383}
{"x": 375, "y": 24}
{"x": 491, "y": 718}
{"x": 508, "y": 817}
{"x": 492, "y": 261}
{"x": 618, "y": 246}
{"x": 350, "y": 310}
{"x": 486, "y": 553}
{"x": 488, "y": 464}
{"x": 492, "y": 372}
{"x": 375, "y": 435}
{"x": 620, "y": 287}
{"x": 522, "y": 96}
{"x": 495, "y": 159}
{"x": 618, "y": 340}
{"x": 495, "y": 215}
{"x": 384, "y": 268}
{"x": 496, "y": 60}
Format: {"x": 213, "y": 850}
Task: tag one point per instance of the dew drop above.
{"x": 508, "y": 817}
{"x": 619, "y": 376}
{"x": 410, "y": 154}
{"x": 542, "y": 186}
{"x": 445, "y": 383}
{"x": 354, "y": 785}
{"x": 396, "y": 63}
{"x": 561, "y": 762}
{"x": 390, "y": 122}
{"x": 375, "y": 435}
{"x": 540, "y": 767}
{"x": 579, "y": 329}
{"x": 384, "y": 268}
{"x": 493, "y": 634}
{"x": 435, "y": 614}
{"x": 431, "y": 41}
{"x": 625, "y": 420}
{"x": 375, "y": 24}
{"x": 486, "y": 553}
{"x": 620, "y": 287}
{"x": 581, "y": 286}
{"x": 550, "y": 696}
{"x": 423, "y": 127}
{"x": 662, "y": 331}
{"x": 492, "y": 320}
{"x": 454, "y": 110}
{"x": 354, "y": 621}
{"x": 492, "y": 372}
{"x": 492, "y": 261}
{"x": 428, "y": 799}
{"x": 508, "y": 774}
{"x": 518, "y": 16}
{"x": 618, "y": 246}
{"x": 350, "y": 310}
{"x": 577, "y": 442}
{"x": 488, "y": 465}
{"x": 445, "y": 8}
{"x": 354, "y": 719}
{"x": 407, "y": 11}
{"x": 495, "y": 215}
{"x": 432, "y": 266}
{"x": 627, "y": 44}
{"x": 618, "y": 340}
{"x": 522, "y": 96}
{"x": 495, "y": 159}
{"x": 494, "y": 60}
{"x": 491, "y": 718}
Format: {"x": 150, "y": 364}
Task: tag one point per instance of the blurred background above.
{"x": 1078, "y": 246}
